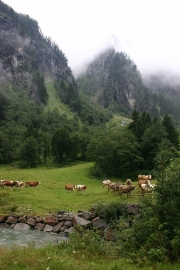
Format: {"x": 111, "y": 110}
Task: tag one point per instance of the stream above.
{"x": 10, "y": 237}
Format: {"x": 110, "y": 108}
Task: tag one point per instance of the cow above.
{"x": 114, "y": 186}
{"x": 128, "y": 181}
{"x": 32, "y": 184}
{"x": 20, "y": 184}
{"x": 144, "y": 177}
{"x": 126, "y": 189}
{"x": 2, "y": 183}
{"x": 105, "y": 183}
{"x": 81, "y": 188}
{"x": 147, "y": 189}
{"x": 69, "y": 187}
{"x": 9, "y": 183}
{"x": 140, "y": 182}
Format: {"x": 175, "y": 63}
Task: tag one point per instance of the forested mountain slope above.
{"x": 113, "y": 81}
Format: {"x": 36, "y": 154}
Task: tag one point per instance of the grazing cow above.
{"x": 147, "y": 189}
{"x": 114, "y": 186}
{"x": 128, "y": 182}
{"x": 81, "y": 188}
{"x": 144, "y": 177}
{"x": 9, "y": 183}
{"x": 20, "y": 184}
{"x": 69, "y": 187}
{"x": 2, "y": 183}
{"x": 126, "y": 189}
{"x": 105, "y": 183}
{"x": 32, "y": 184}
{"x": 140, "y": 182}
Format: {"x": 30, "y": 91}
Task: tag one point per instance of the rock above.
{"x": 65, "y": 217}
{"x": 31, "y": 222}
{"x": 68, "y": 223}
{"x": 88, "y": 215}
{"x": 38, "y": 219}
{"x": 78, "y": 221}
{"x": 11, "y": 220}
{"x": 3, "y": 219}
{"x": 57, "y": 227}
{"x": 39, "y": 226}
{"x": 48, "y": 228}
{"x": 22, "y": 227}
{"x": 50, "y": 220}
{"x": 22, "y": 219}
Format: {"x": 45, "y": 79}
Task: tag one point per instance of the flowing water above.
{"x": 10, "y": 237}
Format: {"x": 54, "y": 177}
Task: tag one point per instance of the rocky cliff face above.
{"x": 24, "y": 53}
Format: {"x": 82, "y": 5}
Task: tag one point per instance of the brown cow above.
{"x": 114, "y": 186}
{"x": 140, "y": 182}
{"x": 32, "y": 184}
{"x": 144, "y": 177}
{"x": 69, "y": 187}
{"x": 9, "y": 183}
{"x": 126, "y": 189}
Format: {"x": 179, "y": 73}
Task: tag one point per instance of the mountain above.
{"x": 114, "y": 81}
{"x": 27, "y": 58}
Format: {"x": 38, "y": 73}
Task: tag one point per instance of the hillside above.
{"x": 27, "y": 58}
{"x": 113, "y": 80}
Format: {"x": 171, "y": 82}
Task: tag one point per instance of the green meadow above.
{"x": 87, "y": 252}
{"x": 50, "y": 196}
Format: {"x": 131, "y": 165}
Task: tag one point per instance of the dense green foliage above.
{"x": 115, "y": 150}
{"x": 134, "y": 148}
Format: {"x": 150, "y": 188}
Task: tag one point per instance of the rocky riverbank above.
{"x": 62, "y": 223}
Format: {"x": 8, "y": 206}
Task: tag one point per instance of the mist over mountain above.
{"x": 112, "y": 80}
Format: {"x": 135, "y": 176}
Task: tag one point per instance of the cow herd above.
{"x": 11, "y": 184}
{"x": 144, "y": 186}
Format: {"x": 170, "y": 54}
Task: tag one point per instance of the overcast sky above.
{"x": 147, "y": 30}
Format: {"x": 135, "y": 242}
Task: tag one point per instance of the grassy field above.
{"x": 50, "y": 196}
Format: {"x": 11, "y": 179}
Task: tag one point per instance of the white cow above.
{"x": 105, "y": 183}
{"x": 146, "y": 188}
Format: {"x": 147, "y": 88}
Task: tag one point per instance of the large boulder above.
{"x": 22, "y": 227}
{"x": 11, "y": 220}
{"x": 48, "y": 228}
{"x": 50, "y": 220}
{"x": 39, "y": 226}
{"x": 80, "y": 222}
{"x": 31, "y": 222}
{"x": 57, "y": 228}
